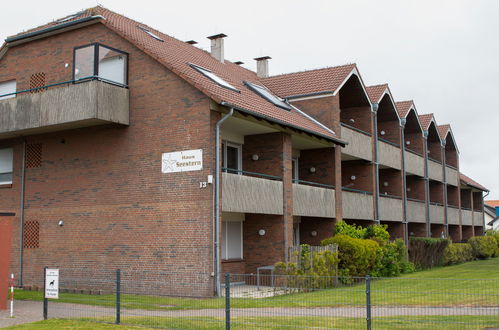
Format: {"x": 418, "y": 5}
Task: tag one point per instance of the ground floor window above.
{"x": 6, "y": 160}
{"x": 232, "y": 240}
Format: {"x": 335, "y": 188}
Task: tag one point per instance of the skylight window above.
{"x": 214, "y": 77}
{"x": 151, "y": 34}
{"x": 266, "y": 94}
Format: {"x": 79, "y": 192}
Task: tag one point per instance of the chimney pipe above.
{"x": 217, "y": 46}
{"x": 262, "y": 66}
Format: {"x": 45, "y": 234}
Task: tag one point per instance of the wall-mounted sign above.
{"x": 182, "y": 161}
{"x": 52, "y": 283}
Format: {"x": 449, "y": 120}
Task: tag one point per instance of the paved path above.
{"x": 31, "y": 311}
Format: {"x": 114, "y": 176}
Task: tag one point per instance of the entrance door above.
{"x": 5, "y": 249}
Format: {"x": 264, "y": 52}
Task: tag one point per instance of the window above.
{"x": 266, "y": 94}
{"x": 6, "y": 161}
{"x": 231, "y": 157}
{"x": 210, "y": 75}
{"x": 7, "y": 87}
{"x": 101, "y": 61}
{"x": 150, "y": 33}
{"x": 232, "y": 240}
{"x": 294, "y": 169}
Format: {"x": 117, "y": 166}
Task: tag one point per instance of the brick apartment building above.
{"x": 110, "y": 132}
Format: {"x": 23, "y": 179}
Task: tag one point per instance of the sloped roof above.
{"x": 325, "y": 80}
{"x": 376, "y": 92}
{"x": 493, "y": 203}
{"x": 426, "y": 120}
{"x": 443, "y": 130}
{"x": 470, "y": 182}
{"x": 176, "y": 55}
{"x": 403, "y": 107}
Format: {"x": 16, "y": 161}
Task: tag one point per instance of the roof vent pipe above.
{"x": 217, "y": 46}
{"x": 262, "y": 66}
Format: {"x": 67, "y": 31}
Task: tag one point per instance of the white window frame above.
{"x": 11, "y": 166}
{"x": 225, "y": 241}
{"x": 239, "y": 148}
{"x": 8, "y": 87}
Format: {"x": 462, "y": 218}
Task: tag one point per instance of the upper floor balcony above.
{"x": 74, "y": 104}
{"x": 416, "y": 211}
{"x": 466, "y": 216}
{"x": 359, "y": 142}
{"x": 435, "y": 170}
{"x": 389, "y": 154}
{"x": 437, "y": 213}
{"x": 452, "y": 215}
{"x": 357, "y": 204}
{"x": 414, "y": 163}
{"x": 451, "y": 176}
{"x": 391, "y": 208}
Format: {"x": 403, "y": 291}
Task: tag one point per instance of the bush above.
{"x": 495, "y": 234}
{"x": 357, "y": 256}
{"x": 342, "y": 228}
{"x": 427, "y": 252}
{"x": 483, "y": 246}
{"x": 392, "y": 260}
{"x": 323, "y": 263}
{"x": 378, "y": 233}
{"x": 457, "y": 253}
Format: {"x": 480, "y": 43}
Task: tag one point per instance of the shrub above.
{"x": 357, "y": 256}
{"x": 427, "y": 252}
{"x": 322, "y": 263}
{"x": 392, "y": 260}
{"x": 378, "y": 233}
{"x": 342, "y": 228}
{"x": 483, "y": 246}
{"x": 457, "y": 253}
{"x": 495, "y": 234}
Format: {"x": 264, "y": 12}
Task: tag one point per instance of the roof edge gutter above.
{"x": 298, "y": 96}
{"x": 337, "y": 141}
{"x": 52, "y": 28}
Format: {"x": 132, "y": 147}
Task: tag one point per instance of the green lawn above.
{"x": 436, "y": 287}
{"x": 413, "y": 322}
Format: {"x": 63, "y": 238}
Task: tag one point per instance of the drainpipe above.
{"x": 21, "y": 221}
{"x": 427, "y": 184}
{"x": 376, "y": 162}
{"x": 483, "y": 211}
{"x": 217, "y": 201}
{"x": 446, "y": 197}
{"x": 404, "y": 181}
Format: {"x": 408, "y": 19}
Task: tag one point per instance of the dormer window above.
{"x": 267, "y": 95}
{"x": 151, "y": 34}
{"x": 210, "y": 75}
{"x": 103, "y": 62}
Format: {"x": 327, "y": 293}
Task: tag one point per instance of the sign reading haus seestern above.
{"x": 182, "y": 161}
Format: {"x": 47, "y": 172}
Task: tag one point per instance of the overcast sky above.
{"x": 442, "y": 54}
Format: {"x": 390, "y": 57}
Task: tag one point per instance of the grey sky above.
{"x": 442, "y": 54}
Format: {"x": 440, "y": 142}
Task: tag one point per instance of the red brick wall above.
{"x": 119, "y": 210}
{"x": 454, "y": 233}
{"x": 394, "y": 179}
{"x": 466, "y": 198}
{"x": 436, "y": 192}
{"x": 396, "y": 229}
{"x": 436, "y": 230}
{"x": 417, "y": 229}
{"x": 477, "y": 201}
{"x": 324, "y": 109}
{"x": 323, "y": 226}
{"x": 322, "y": 160}
{"x": 363, "y": 173}
{"x": 362, "y": 117}
{"x": 452, "y": 195}
{"x": 5, "y": 252}
{"x": 467, "y": 232}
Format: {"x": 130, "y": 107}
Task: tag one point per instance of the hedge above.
{"x": 457, "y": 253}
{"x": 483, "y": 246}
{"x": 427, "y": 252}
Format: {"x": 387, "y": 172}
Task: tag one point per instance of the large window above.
{"x": 7, "y": 87}
{"x": 231, "y": 157}
{"x": 6, "y": 160}
{"x": 101, "y": 61}
{"x": 232, "y": 240}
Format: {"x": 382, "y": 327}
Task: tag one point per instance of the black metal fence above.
{"x": 251, "y": 301}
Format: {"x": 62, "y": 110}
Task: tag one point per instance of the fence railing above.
{"x": 135, "y": 297}
{"x": 296, "y": 252}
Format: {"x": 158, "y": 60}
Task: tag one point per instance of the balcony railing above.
{"x": 310, "y": 183}
{"x": 416, "y": 210}
{"x": 466, "y": 217}
{"x": 359, "y": 142}
{"x": 357, "y": 204}
{"x": 389, "y": 155}
{"x": 248, "y": 173}
{"x": 391, "y": 208}
{"x": 313, "y": 201}
{"x": 435, "y": 170}
{"x": 437, "y": 214}
{"x": 70, "y": 104}
{"x": 451, "y": 176}
{"x": 453, "y": 215}
{"x": 414, "y": 163}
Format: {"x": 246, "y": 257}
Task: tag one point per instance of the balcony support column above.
{"x": 404, "y": 181}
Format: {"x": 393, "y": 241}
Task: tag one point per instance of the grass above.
{"x": 436, "y": 287}
{"x": 408, "y": 322}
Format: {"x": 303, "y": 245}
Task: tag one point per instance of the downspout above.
{"x": 483, "y": 211}
{"x": 446, "y": 197}
{"x": 427, "y": 184}
{"x": 216, "y": 228}
{"x": 21, "y": 220}
{"x": 404, "y": 181}
{"x": 376, "y": 162}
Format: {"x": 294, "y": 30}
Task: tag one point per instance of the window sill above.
{"x": 5, "y": 185}
{"x": 231, "y": 260}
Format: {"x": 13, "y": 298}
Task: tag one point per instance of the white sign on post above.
{"x": 52, "y": 283}
{"x": 182, "y": 161}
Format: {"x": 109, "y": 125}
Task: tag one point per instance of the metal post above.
{"x": 45, "y": 300}
{"x": 118, "y": 296}
{"x": 227, "y": 301}
{"x": 368, "y": 302}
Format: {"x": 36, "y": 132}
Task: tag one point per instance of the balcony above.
{"x": 451, "y": 176}
{"x": 313, "y": 201}
{"x": 477, "y": 218}
{"x": 437, "y": 214}
{"x": 435, "y": 171}
{"x": 247, "y": 194}
{"x": 357, "y": 204}
{"x": 359, "y": 143}
{"x": 389, "y": 155}
{"x": 466, "y": 217}
{"x": 391, "y": 208}
{"x": 416, "y": 211}
{"x": 452, "y": 215}
{"x": 68, "y": 106}
{"x": 414, "y": 163}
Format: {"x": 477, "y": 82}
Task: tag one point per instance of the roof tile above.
{"x": 376, "y": 92}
